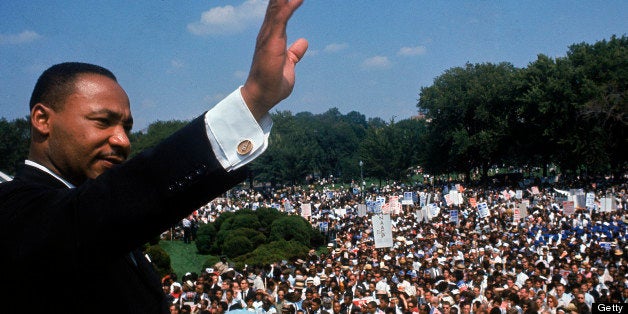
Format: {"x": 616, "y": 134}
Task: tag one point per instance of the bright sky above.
{"x": 177, "y": 58}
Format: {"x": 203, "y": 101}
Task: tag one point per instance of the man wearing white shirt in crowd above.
{"x": 562, "y": 297}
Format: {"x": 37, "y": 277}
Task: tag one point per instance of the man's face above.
{"x": 446, "y": 308}
{"x": 383, "y": 303}
{"x": 370, "y": 308}
{"x": 560, "y": 290}
{"x": 199, "y": 288}
{"x": 315, "y": 306}
{"x": 580, "y": 298}
{"x": 378, "y": 277}
{"x": 244, "y": 284}
{"x": 466, "y": 308}
{"x": 428, "y": 295}
{"x": 523, "y": 293}
{"x": 352, "y": 280}
{"x": 89, "y": 133}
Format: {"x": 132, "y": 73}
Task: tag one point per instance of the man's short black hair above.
{"x": 57, "y": 82}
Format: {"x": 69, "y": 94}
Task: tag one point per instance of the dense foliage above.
{"x": 14, "y": 142}
{"x": 155, "y": 132}
{"x": 253, "y": 236}
{"x": 160, "y": 259}
{"x": 570, "y": 112}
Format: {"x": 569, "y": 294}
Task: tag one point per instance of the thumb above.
{"x": 297, "y": 50}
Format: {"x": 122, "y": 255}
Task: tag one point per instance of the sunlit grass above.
{"x": 184, "y": 257}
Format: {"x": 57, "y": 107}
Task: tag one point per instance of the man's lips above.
{"x": 110, "y": 161}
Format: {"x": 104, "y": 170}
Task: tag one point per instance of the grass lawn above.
{"x": 183, "y": 257}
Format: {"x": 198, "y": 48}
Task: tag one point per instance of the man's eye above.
{"x": 102, "y": 121}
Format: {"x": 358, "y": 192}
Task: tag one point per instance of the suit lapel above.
{"x": 32, "y": 174}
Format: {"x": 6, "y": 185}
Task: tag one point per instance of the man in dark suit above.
{"x": 347, "y": 305}
{"x": 74, "y": 216}
{"x": 246, "y": 290}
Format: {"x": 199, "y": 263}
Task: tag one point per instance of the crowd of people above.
{"x": 546, "y": 261}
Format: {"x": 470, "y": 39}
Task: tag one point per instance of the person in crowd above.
{"x": 552, "y": 303}
{"x": 186, "y": 224}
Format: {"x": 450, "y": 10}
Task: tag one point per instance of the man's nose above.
{"x": 119, "y": 138}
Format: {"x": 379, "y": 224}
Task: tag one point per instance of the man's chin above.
{"x": 100, "y": 168}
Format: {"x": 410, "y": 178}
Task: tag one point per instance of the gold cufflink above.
{"x": 245, "y": 147}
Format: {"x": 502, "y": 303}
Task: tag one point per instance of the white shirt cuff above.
{"x": 236, "y": 137}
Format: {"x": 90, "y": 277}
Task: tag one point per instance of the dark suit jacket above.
{"x": 248, "y": 294}
{"x": 68, "y": 250}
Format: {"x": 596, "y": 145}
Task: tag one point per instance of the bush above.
{"x": 241, "y": 220}
{"x": 317, "y": 238}
{"x": 208, "y": 229}
{"x": 291, "y": 228}
{"x": 205, "y": 238}
{"x": 160, "y": 259}
{"x": 203, "y": 244}
{"x": 244, "y": 236}
{"x": 267, "y": 254}
{"x": 222, "y": 218}
{"x": 236, "y": 246}
{"x": 266, "y": 216}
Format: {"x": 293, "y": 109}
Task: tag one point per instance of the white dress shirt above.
{"x": 230, "y": 123}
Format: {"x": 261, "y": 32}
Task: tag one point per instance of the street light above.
{"x": 362, "y": 178}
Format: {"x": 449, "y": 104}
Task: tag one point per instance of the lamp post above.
{"x": 362, "y": 179}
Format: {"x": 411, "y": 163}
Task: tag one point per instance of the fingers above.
{"x": 278, "y": 13}
{"x": 287, "y": 7}
{"x": 271, "y": 77}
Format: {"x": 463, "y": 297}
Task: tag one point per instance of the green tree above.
{"x": 14, "y": 143}
{"x": 290, "y": 156}
{"x": 389, "y": 151}
{"x": 573, "y": 111}
{"x": 307, "y": 145}
{"x": 340, "y": 140}
{"x": 470, "y": 110}
{"x": 546, "y": 112}
{"x": 601, "y": 71}
{"x": 155, "y": 133}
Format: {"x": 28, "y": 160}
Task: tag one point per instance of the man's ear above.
{"x": 40, "y": 119}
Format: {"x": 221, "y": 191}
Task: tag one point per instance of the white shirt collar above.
{"x": 42, "y": 168}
